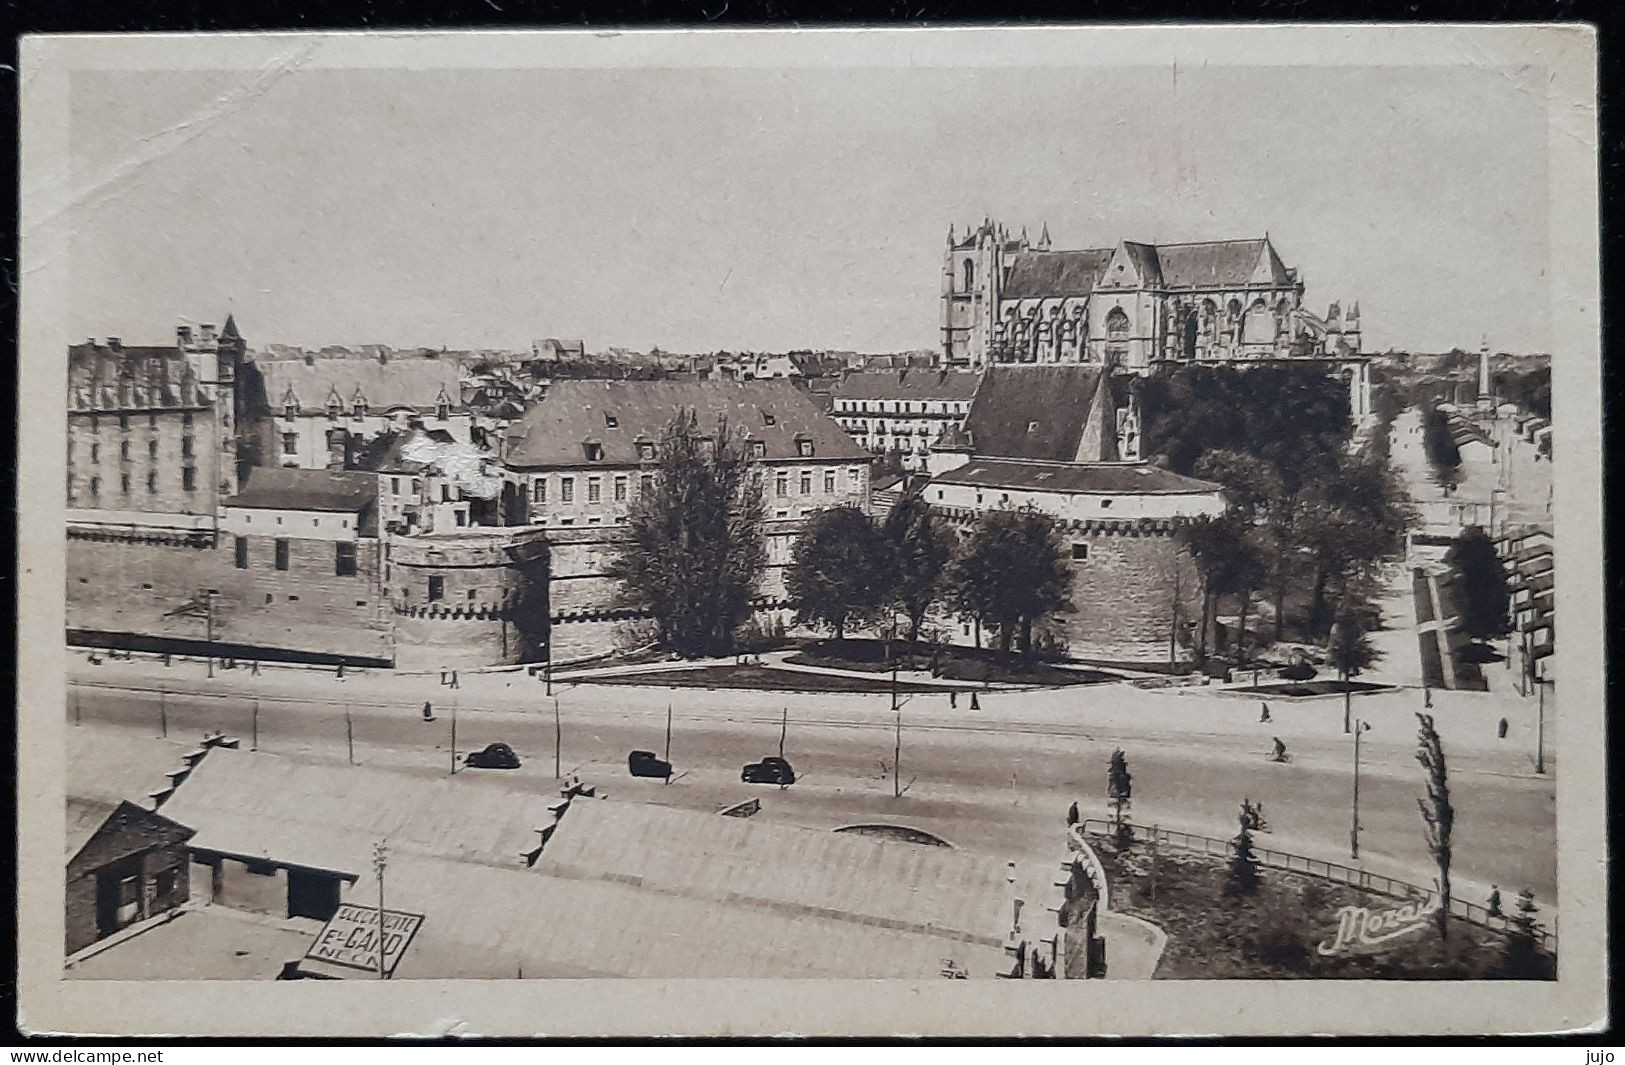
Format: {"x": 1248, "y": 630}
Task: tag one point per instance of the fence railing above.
{"x": 1335, "y": 871}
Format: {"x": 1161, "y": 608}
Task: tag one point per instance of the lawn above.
{"x": 1276, "y": 932}
{"x": 954, "y": 663}
{"x": 759, "y": 678}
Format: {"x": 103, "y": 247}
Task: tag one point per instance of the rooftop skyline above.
{"x": 761, "y": 209}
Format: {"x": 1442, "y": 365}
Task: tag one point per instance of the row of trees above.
{"x": 1007, "y": 575}
{"x": 1311, "y": 519}
{"x": 695, "y": 552}
{"x": 1443, "y": 456}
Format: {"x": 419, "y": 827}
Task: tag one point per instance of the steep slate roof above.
{"x": 1032, "y": 412}
{"x": 1088, "y": 478}
{"x": 1040, "y": 274}
{"x": 907, "y": 384}
{"x": 106, "y": 767}
{"x": 554, "y": 431}
{"x": 1220, "y": 263}
{"x": 1206, "y": 264}
{"x": 101, "y": 378}
{"x": 382, "y": 454}
{"x": 276, "y": 488}
{"x": 417, "y": 383}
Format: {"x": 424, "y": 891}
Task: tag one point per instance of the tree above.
{"x": 837, "y": 570}
{"x": 1438, "y": 815}
{"x": 920, "y": 551}
{"x": 1524, "y": 959}
{"x": 694, "y": 549}
{"x": 1481, "y": 585}
{"x": 1440, "y": 448}
{"x": 1251, "y": 484}
{"x": 1350, "y": 653}
{"x": 1347, "y": 525}
{"x": 1244, "y": 875}
{"x": 1010, "y": 574}
{"x": 1120, "y": 792}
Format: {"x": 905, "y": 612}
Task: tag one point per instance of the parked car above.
{"x": 494, "y": 756}
{"x": 645, "y": 764}
{"x": 773, "y": 770}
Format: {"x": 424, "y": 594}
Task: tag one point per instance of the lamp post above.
{"x": 1540, "y": 725}
{"x": 1354, "y": 824}
{"x": 380, "y": 860}
{"x": 208, "y": 621}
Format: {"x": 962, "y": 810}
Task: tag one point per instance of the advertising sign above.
{"x": 350, "y": 937}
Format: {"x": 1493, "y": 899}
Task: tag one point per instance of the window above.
{"x": 417, "y": 487}
{"x": 152, "y": 483}
{"x": 1117, "y": 329}
{"x": 567, "y": 489}
{"x": 471, "y": 595}
{"x": 344, "y": 560}
{"x": 595, "y": 452}
{"x": 124, "y": 450}
{"x": 610, "y": 422}
{"x": 829, "y": 480}
{"x": 290, "y": 443}
{"x": 189, "y": 478}
{"x": 595, "y": 489}
{"x": 781, "y": 484}
{"x": 360, "y": 410}
{"x": 282, "y": 555}
{"x": 124, "y": 483}
{"x": 394, "y": 486}
{"x": 646, "y": 452}
{"x": 442, "y": 411}
{"x": 95, "y": 452}
{"x": 769, "y": 419}
{"x": 646, "y": 484}
{"x": 437, "y": 589}
{"x": 806, "y": 482}
{"x": 1105, "y": 503}
{"x": 804, "y": 448}
{"x": 462, "y": 518}
{"x": 186, "y": 447}
{"x": 123, "y": 421}
{"x": 1080, "y": 552}
{"x": 152, "y": 421}
{"x": 95, "y": 486}
{"x": 290, "y": 411}
{"x": 335, "y": 410}
{"x": 240, "y": 544}
{"x": 970, "y": 274}
{"x": 758, "y": 449}
{"x": 186, "y": 421}
{"x": 152, "y": 449}
{"x": 620, "y": 489}
{"x": 538, "y": 490}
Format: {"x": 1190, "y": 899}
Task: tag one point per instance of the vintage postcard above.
{"x": 854, "y": 532}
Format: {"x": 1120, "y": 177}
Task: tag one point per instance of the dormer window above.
{"x": 1032, "y": 427}
{"x": 646, "y": 451}
{"x": 359, "y": 409}
{"x": 594, "y": 452}
{"x": 769, "y": 419}
{"x": 611, "y": 422}
{"x": 335, "y": 409}
{"x": 290, "y": 411}
{"x": 804, "y": 447}
{"x": 442, "y": 411}
{"x": 758, "y": 449}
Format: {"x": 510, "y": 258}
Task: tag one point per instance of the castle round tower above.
{"x": 468, "y": 597}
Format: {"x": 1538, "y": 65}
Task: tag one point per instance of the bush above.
{"x": 1298, "y": 671}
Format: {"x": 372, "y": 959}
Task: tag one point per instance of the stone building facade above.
{"x": 902, "y": 411}
{"x": 1005, "y": 299}
{"x": 133, "y": 866}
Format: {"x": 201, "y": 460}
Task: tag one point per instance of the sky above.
{"x": 705, "y": 209}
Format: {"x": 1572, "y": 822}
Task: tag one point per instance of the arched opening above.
{"x": 1191, "y": 330}
{"x": 1258, "y": 326}
{"x": 970, "y": 274}
{"x": 1117, "y": 328}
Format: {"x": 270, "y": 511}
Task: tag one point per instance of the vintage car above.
{"x": 647, "y": 764}
{"x": 494, "y": 756}
{"x": 771, "y": 770}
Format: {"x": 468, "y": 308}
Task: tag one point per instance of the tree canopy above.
{"x": 1011, "y": 574}
{"x": 694, "y": 549}
{"x": 1480, "y": 585}
{"x": 838, "y": 570}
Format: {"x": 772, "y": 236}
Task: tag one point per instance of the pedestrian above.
{"x": 953, "y": 700}
{"x": 1427, "y": 697}
{"x": 254, "y": 667}
{"x": 442, "y": 678}
{"x": 1495, "y": 901}
{"x": 1264, "y": 714}
{"x": 975, "y": 705}
{"x": 1501, "y": 729}
{"x": 454, "y": 683}
{"x": 340, "y": 673}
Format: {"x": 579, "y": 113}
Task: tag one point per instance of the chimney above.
{"x": 310, "y": 360}
{"x": 115, "y": 343}
{"x": 183, "y": 336}
{"x": 208, "y": 332}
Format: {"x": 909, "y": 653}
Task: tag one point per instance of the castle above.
{"x": 1134, "y": 306}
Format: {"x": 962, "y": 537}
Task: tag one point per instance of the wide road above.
{"x": 988, "y": 785}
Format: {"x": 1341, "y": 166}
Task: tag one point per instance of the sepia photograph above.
{"x": 693, "y": 511}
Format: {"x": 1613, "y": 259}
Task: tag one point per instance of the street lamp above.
{"x": 380, "y": 860}
{"x": 1354, "y": 825}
